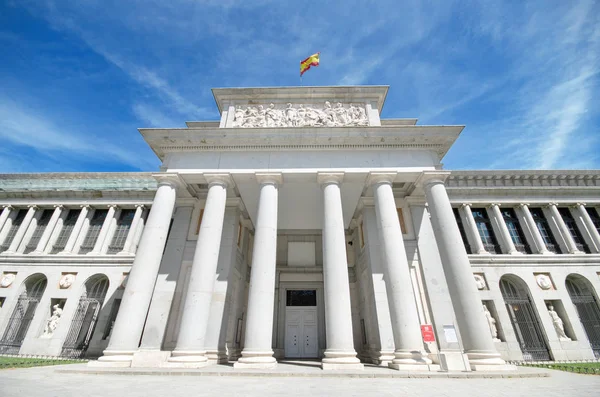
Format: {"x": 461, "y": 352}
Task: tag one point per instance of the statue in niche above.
{"x": 491, "y": 323}
{"x": 558, "y": 324}
{"x": 52, "y": 322}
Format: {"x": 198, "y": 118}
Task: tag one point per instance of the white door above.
{"x": 301, "y": 332}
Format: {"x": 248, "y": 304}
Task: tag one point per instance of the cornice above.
{"x": 523, "y": 179}
{"x": 81, "y": 182}
{"x": 63, "y": 260}
{"x": 534, "y": 260}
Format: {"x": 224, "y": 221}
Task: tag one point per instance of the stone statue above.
{"x": 302, "y": 116}
{"x": 52, "y": 322}
{"x": 491, "y": 323}
{"x": 558, "y": 324}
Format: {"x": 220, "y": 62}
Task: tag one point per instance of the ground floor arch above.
{"x": 585, "y": 301}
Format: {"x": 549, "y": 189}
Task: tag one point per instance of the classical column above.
{"x": 190, "y": 350}
{"x": 57, "y": 229}
{"x": 125, "y": 337}
{"x": 258, "y": 352}
{"x": 540, "y": 244}
{"x": 4, "y": 215}
{"x": 509, "y": 245}
{"x": 474, "y": 330}
{"x": 49, "y": 230}
{"x": 340, "y": 353}
{"x": 110, "y": 216}
{"x": 85, "y": 209}
{"x": 127, "y": 246}
{"x": 594, "y": 236}
{"x": 564, "y": 230}
{"x": 16, "y": 242}
{"x": 408, "y": 353}
{"x": 471, "y": 230}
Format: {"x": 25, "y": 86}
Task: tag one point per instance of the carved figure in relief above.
{"x": 66, "y": 281}
{"x": 290, "y": 115}
{"x": 479, "y": 281}
{"x": 341, "y": 113}
{"x": 558, "y": 324}
{"x": 544, "y": 281}
{"x": 7, "y": 280}
{"x": 491, "y": 323}
{"x": 52, "y": 322}
{"x": 238, "y": 119}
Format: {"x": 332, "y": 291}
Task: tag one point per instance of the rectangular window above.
{"x": 123, "y": 226}
{"x": 39, "y": 231}
{"x": 515, "y": 231}
{"x": 111, "y": 319}
{"x": 486, "y": 232}
{"x": 301, "y": 297}
{"x": 593, "y": 213}
{"x": 13, "y": 230}
{"x": 93, "y": 231}
{"x": 565, "y": 213}
{"x": 544, "y": 229}
{"x": 461, "y": 229}
{"x": 65, "y": 231}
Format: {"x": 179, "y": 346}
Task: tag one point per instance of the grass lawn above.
{"x": 580, "y": 368}
{"x": 19, "y": 362}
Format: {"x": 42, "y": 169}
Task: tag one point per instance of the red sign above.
{"x": 427, "y": 332}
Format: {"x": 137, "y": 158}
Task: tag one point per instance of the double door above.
{"x": 301, "y": 332}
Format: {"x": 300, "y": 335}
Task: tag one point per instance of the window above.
{"x": 301, "y": 297}
{"x": 573, "y": 229}
{"x": 93, "y": 231}
{"x": 13, "y": 230}
{"x": 515, "y": 231}
{"x": 401, "y": 220}
{"x": 39, "y": 231}
{"x": 593, "y": 213}
{"x": 121, "y": 232}
{"x": 484, "y": 227}
{"x": 544, "y": 229}
{"x": 65, "y": 232}
{"x": 461, "y": 229}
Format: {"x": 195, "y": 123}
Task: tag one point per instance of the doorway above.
{"x": 301, "y": 331}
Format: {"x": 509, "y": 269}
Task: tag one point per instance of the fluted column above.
{"x": 129, "y": 324}
{"x": 509, "y": 245}
{"x": 190, "y": 350}
{"x": 594, "y": 236}
{"x": 564, "y": 230}
{"x": 474, "y": 330}
{"x": 131, "y": 235}
{"x": 258, "y": 352}
{"x": 540, "y": 244}
{"x": 340, "y": 353}
{"x": 4, "y": 215}
{"x": 49, "y": 230}
{"x": 16, "y": 242}
{"x": 471, "y": 230}
{"x": 108, "y": 220}
{"x": 409, "y": 352}
{"x": 85, "y": 209}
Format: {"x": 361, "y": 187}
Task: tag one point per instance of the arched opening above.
{"x": 85, "y": 317}
{"x": 582, "y": 295}
{"x": 32, "y": 291}
{"x": 524, "y": 319}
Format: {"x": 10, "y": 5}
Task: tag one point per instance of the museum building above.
{"x": 302, "y": 226}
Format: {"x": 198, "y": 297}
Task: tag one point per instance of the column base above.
{"x": 216, "y": 356}
{"x": 114, "y": 358}
{"x": 454, "y": 361}
{"x": 149, "y": 358}
{"x": 340, "y": 360}
{"x": 487, "y": 361}
{"x": 256, "y": 360}
{"x": 187, "y": 359}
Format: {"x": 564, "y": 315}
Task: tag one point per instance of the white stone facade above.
{"x": 333, "y": 235}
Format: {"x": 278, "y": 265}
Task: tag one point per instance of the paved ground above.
{"x": 48, "y": 382}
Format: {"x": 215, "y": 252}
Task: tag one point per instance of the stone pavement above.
{"x": 53, "y": 381}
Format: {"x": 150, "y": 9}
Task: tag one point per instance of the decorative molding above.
{"x": 7, "y": 279}
{"x": 544, "y": 281}
{"x": 76, "y": 182}
{"x": 480, "y": 281}
{"x": 325, "y": 146}
{"x": 523, "y": 179}
{"x": 66, "y": 280}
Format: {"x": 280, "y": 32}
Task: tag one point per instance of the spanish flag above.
{"x": 312, "y": 60}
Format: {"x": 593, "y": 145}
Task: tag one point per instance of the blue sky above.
{"x": 77, "y": 78}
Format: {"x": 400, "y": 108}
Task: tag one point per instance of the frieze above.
{"x": 292, "y": 115}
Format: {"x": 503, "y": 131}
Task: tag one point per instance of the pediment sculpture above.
{"x": 300, "y": 116}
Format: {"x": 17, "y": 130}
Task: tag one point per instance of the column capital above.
{"x": 274, "y": 178}
{"x": 432, "y": 177}
{"x": 115, "y": 206}
{"x": 86, "y": 206}
{"x": 577, "y": 205}
{"x": 325, "y": 178}
{"x": 463, "y": 205}
{"x": 492, "y": 205}
{"x": 8, "y": 206}
{"x": 381, "y": 177}
{"x": 550, "y": 205}
{"x": 521, "y": 205}
{"x": 33, "y": 206}
{"x": 223, "y": 179}
{"x": 172, "y": 180}
{"x": 61, "y": 206}
{"x": 140, "y": 206}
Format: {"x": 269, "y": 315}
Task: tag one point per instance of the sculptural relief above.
{"x": 491, "y": 323}
{"x": 300, "y": 116}
{"x": 479, "y": 281}
{"x": 52, "y": 322}
{"x": 7, "y": 279}
{"x": 543, "y": 281}
{"x": 66, "y": 281}
{"x": 559, "y": 326}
